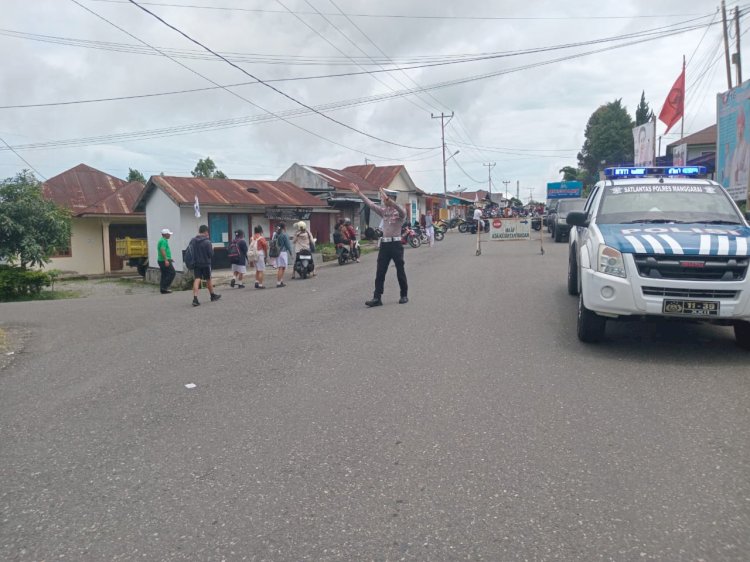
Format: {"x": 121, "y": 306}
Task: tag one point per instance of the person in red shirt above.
{"x": 351, "y": 236}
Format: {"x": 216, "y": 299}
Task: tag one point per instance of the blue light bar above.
{"x": 642, "y": 172}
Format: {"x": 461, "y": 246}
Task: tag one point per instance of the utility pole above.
{"x": 443, "y": 123}
{"x": 736, "y": 57}
{"x": 726, "y": 42}
{"x": 489, "y": 165}
{"x": 518, "y": 190}
{"x": 506, "y": 182}
{"x": 531, "y": 194}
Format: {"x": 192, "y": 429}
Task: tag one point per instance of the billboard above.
{"x": 564, "y": 189}
{"x": 643, "y": 144}
{"x": 679, "y": 155}
{"x": 733, "y": 140}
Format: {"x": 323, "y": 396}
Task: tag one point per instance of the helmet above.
{"x": 301, "y": 225}
{"x": 347, "y": 221}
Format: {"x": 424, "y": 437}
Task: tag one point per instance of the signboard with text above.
{"x": 510, "y": 229}
{"x": 288, "y": 214}
{"x": 733, "y": 141}
{"x": 564, "y": 189}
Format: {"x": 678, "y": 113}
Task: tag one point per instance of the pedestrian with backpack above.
{"x": 237, "y": 253}
{"x": 198, "y": 256}
{"x": 285, "y": 249}
{"x": 257, "y": 256}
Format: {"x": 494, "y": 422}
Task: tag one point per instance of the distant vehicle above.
{"x": 135, "y": 251}
{"x": 556, "y": 224}
{"x": 660, "y": 242}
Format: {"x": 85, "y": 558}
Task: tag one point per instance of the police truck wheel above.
{"x": 742, "y": 334}
{"x": 572, "y": 273}
{"x": 590, "y": 325}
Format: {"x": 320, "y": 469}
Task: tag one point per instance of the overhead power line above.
{"x": 274, "y": 88}
{"x": 403, "y": 16}
{"x": 222, "y": 124}
{"x": 648, "y": 36}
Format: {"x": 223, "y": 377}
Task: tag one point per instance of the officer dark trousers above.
{"x": 391, "y": 251}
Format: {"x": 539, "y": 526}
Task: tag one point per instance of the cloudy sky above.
{"x": 341, "y": 81}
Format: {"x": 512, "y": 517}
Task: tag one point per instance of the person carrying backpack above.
{"x": 201, "y": 252}
{"x": 237, "y": 252}
{"x": 285, "y": 249}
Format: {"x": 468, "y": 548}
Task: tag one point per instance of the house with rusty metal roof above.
{"x": 335, "y": 187}
{"x": 182, "y": 204}
{"x": 101, "y": 208}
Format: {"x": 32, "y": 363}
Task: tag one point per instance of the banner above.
{"x": 643, "y": 144}
{"x": 510, "y": 229}
{"x": 679, "y": 155}
{"x": 733, "y": 140}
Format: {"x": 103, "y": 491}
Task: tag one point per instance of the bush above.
{"x": 17, "y": 283}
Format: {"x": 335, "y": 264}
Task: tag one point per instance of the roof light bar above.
{"x": 642, "y": 172}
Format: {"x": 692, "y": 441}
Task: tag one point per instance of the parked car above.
{"x": 556, "y": 224}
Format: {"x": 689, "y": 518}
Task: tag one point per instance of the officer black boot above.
{"x": 375, "y": 301}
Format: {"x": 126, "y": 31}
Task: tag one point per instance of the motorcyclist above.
{"x": 302, "y": 240}
{"x": 351, "y": 236}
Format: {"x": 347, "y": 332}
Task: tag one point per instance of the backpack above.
{"x": 233, "y": 251}
{"x": 188, "y": 256}
{"x": 253, "y": 255}
{"x": 273, "y": 248}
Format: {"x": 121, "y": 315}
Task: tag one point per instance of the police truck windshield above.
{"x": 664, "y": 203}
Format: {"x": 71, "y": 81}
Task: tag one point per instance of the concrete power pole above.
{"x": 443, "y": 123}
{"x": 518, "y": 190}
{"x": 736, "y": 57}
{"x": 489, "y": 165}
{"x": 726, "y": 43}
{"x": 506, "y": 182}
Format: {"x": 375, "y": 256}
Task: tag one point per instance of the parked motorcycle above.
{"x": 373, "y": 233}
{"x": 303, "y": 264}
{"x": 409, "y": 236}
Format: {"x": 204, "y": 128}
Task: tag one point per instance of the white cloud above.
{"x": 546, "y": 107}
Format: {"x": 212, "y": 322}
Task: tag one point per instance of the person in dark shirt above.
{"x": 203, "y": 251}
{"x": 240, "y": 268}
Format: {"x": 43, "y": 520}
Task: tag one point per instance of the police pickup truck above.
{"x": 659, "y": 242}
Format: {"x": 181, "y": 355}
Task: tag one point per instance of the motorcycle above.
{"x": 408, "y": 236}
{"x": 536, "y": 223}
{"x": 464, "y": 225}
{"x": 373, "y": 233}
{"x": 346, "y": 254}
{"x": 472, "y": 228}
{"x": 424, "y": 238}
{"x": 303, "y": 264}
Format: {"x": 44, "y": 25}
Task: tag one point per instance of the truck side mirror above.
{"x": 577, "y": 218}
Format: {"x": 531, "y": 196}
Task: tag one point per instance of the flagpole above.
{"x": 684, "y": 94}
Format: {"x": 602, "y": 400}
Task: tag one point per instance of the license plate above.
{"x": 691, "y": 308}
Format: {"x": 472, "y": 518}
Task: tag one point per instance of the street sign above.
{"x": 510, "y": 229}
{"x": 564, "y": 189}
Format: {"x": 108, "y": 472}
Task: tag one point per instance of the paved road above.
{"x": 468, "y": 424}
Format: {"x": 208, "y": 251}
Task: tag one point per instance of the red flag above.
{"x": 674, "y": 105}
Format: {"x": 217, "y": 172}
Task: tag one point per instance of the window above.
{"x": 65, "y": 251}
{"x": 221, "y": 226}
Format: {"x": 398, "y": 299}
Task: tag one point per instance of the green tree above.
{"x": 608, "y": 140}
{"x": 135, "y": 175}
{"x": 31, "y": 228}
{"x": 571, "y": 174}
{"x": 643, "y": 113}
{"x": 207, "y": 169}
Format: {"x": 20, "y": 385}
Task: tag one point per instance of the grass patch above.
{"x": 51, "y": 296}
{"x": 3, "y": 341}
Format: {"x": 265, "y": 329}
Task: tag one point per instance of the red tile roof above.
{"x": 704, "y": 136}
{"x": 341, "y": 179}
{"x": 80, "y": 187}
{"x": 379, "y": 176}
{"x": 121, "y": 202}
{"x": 219, "y": 192}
